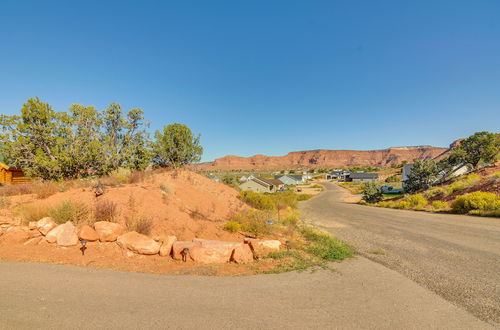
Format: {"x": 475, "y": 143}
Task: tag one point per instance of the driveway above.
{"x": 457, "y": 257}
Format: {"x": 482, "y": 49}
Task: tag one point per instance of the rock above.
{"x": 15, "y": 235}
{"x": 87, "y": 233}
{"x": 45, "y": 225}
{"x": 211, "y": 252}
{"x": 33, "y": 241}
{"x": 67, "y": 235}
{"x": 63, "y": 235}
{"x": 242, "y": 254}
{"x": 108, "y": 231}
{"x": 261, "y": 248}
{"x": 166, "y": 245}
{"x": 138, "y": 243}
{"x": 32, "y": 225}
{"x": 178, "y": 246}
{"x": 35, "y": 233}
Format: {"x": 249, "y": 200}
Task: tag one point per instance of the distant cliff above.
{"x": 325, "y": 159}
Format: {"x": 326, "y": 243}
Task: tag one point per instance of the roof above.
{"x": 363, "y": 175}
{"x": 294, "y": 177}
{"x": 269, "y": 182}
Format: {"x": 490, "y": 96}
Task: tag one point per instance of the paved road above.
{"x": 457, "y": 257}
{"x": 360, "y": 294}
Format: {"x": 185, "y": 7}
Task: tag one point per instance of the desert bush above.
{"x": 304, "y": 197}
{"x": 254, "y": 222}
{"x": 4, "y": 202}
{"x": 495, "y": 175}
{"x": 232, "y": 226}
{"x": 417, "y": 201}
{"x": 165, "y": 188}
{"x": 292, "y": 220}
{"x": 45, "y": 189}
{"x": 137, "y": 177}
{"x": 436, "y": 192}
{"x": 402, "y": 205}
{"x": 317, "y": 186}
{"x": 144, "y": 225}
{"x": 256, "y": 200}
{"x": 325, "y": 246}
{"x": 469, "y": 181}
{"x": 105, "y": 210}
{"x": 478, "y": 200}
{"x": 122, "y": 175}
{"x": 390, "y": 204}
{"x": 439, "y": 205}
{"x": 76, "y": 212}
{"x": 371, "y": 193}
{"x": 33, "y": 212}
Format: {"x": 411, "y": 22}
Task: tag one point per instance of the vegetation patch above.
{"x": 76, "y": 212}
{"x": 477, "y": 202}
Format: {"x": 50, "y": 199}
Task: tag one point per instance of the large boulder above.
{"x": 108, "y": 231}
{"x": 87, "y": 233}
{"x": 262, "y": 248}
{"x": 45, "y": 225}
{"x": 15, "y": 235}
{"x": 178, "y": 246}
{"x": 242, "y": 254}
{"x": 166, "y": 245}
{"x": 212, "y": 252}
{"x": 138, "y": 243}
{"x": 63, "y": 235}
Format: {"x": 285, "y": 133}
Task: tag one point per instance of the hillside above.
{"x": 324, "y": 159}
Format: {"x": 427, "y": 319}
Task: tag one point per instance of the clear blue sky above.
{"x": 265, "y": 77}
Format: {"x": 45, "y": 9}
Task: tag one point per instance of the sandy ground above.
{"x": 359, "y": 294}
{"x": 455, "y": 256}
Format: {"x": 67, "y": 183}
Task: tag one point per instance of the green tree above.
{"x": 176, "y": 146}
{"x": 371, "y": 192}
{"x": 481, "y": 146}
{"x": 422, "y": 175}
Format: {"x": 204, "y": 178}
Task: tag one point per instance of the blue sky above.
{"x": 265, "y": 77}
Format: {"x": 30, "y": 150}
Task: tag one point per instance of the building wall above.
{"x": 255, "y": 187}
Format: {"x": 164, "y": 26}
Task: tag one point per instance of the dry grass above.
{"x": 4, "y": 202}
{"x": 105, "y": 210}
{"x": 32, "y": 212}
{"x": 142, "y": 225}
{"x": 76, "y": 212}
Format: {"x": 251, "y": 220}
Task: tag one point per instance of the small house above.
{"x": 291, "y": 179}
{"x": 261, "y": 185}
{"x": 338, "y": 174}
{"x": 362, "y": 177}
{"x": 12, "y": 175}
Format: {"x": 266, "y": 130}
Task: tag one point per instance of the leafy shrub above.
{"x": 105, "y": 210}
{"x": 232, "y": 226}
{"x": 417, "y": 201}
{"x": 325, "y": 246}
{"x": 256, "y": 200}
{"x": 77, "y": 212}
{"x": 371, "y": 193}
{"x": 464, "y": 183}
{"x": 478, "y": 200}
{"x": 439, "y": 205}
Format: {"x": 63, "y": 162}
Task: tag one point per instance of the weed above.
{"x": 324, "y": 246}
{"x": 76, "y": 212}
{"x": 304, "y": 197}
{"x": 378, "y": 252}
{"x": 45, "y": 189}
{"x": 33, "y": 212}
{"x": 165, "y": 188}
{"x": 469, "y": 181}
{"x": 254, "y": 222}
{"x": 439, "y": 205}
{"x": 256, "y": 200}
{"x": 232, "y": 226}
{"x": 143, "y": 225}
{"x": 436, "y": 192}
{"x": 402, "y": 205}
{"x": 417, "y": 201}
{"x": 105, "y": 210}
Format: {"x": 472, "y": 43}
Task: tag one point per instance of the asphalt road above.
{"x": 455, "y": 256}
{"x": 359, "y": 294}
